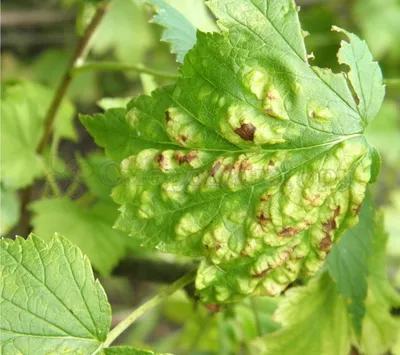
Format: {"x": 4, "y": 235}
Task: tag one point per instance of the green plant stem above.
{"x": 138, "y": 312}
{"x": 395, "y": 82}
{"x": 114, "y": 66}
{"x": 257, "y": 318}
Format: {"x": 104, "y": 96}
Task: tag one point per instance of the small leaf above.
{"x": 50, "y": 301}
{"x": 348, "y": 263}
{"x": 23, "y": 110}
{"x": 179, "y": 32}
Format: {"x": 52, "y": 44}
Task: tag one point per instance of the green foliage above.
{"x": 314, "y": 321}
{"x": 235, "y": 161}
{"x": 60, "y": 308}
{"x": 316, "y": 318}
{"x": 10, "y": 210}
{"x": 23, "y": 109}
{"x": 179, "y": 32}
{"x": 87, "y": 221}
{"x": 348, "y": 263}
{"x": 124, "y": 32}
{"x": 126, "y": 350}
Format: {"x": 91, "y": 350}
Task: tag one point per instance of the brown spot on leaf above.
{"x": 160, "y": 159}
{"x": 229, "y": 167}
{"x": 266, "y": 197}
{"x": 261, "y": 274}
{"x": 290, "y": 231}
{"x": 326, "y": 243}
{"x": 246, "y": 131}
{"x": 271, "y": 163}
{"x": 180, "y": 158}
{"x": 262, "y": 219}
{"x": 167, "y": 116}
{"x": 244, "y": 254}
{"x": 217, "y": 247}
{"x": 271, "y": 113}
{"x": 191, "y": 156}
{"x": 331, "y": 224}
{"x": 215, "y": 168}
{"x": 213, "y": 308}
{"x": 245, "y": 165}
{"x": 357, "y": 210}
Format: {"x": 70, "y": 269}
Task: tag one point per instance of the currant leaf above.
{"x": 178, "y": 31}
{"x": 348, "y": 263}
{"x": 89, "y": 227}
{"x": 254, "y": 160}
{"x": 50, "y": 301}
{"x": 23, "y": 111}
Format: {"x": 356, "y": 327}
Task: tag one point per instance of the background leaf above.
{"x": 65, "y": 310}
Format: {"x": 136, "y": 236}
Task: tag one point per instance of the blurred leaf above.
{"x": 347, "y": 263}
{"x": 107, "y": 103}
{"x": 314, "y": 321}
{"x": 179, "y": 32}
{"x": 392, "y": 213}
{"x": 380, "y": 25}
{"x": 23, "y": 109}
{"x": 85, "y": 15}
{"x": 124, "y": 32}
{"x": 10, "y": 210}
{"x": 89, "y": 227}
{"x": 49, "y": 67}
{"x": 148, "y": 83}
{"x": 380, "y": 328}
{"x": 384, "y": 132}
{"x": 127, "y": 350}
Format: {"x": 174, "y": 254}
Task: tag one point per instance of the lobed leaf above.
{"x": 178, "y": 31}
{"x": 254, "y": 159}
{"x": 50, "y": 301}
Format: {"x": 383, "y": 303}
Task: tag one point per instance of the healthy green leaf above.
{"x": 50, "y": 301}
{"x": 314, "y": 321}
{"x": 380, "y": 328}
{"x": 179, "y": 32}
{"x": 23, "y": 109}
{"x": 254, "y": 159}
{"x": 348, "y": 263}
{"x": 10, "y": 210}
{"x": 89, "y": 227}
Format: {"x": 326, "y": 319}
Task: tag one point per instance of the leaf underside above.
{"x": 254, "y": 159}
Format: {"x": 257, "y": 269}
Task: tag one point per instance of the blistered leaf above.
{"x": 254, "y": 159}
{"x": 178, "y": 31}
{"x": 314, "y": 321}
{"x": 23, "y": 110}
{"x": 89, "y": 227}
{"x": 348, "y": 263}
{"x": 50, "y": 301}
{"x": 10, "y": 210}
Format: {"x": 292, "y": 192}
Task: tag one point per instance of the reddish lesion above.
{"x": 246, "y": 131}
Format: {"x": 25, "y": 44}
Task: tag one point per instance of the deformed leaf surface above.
{"x": 254, "y": 159}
